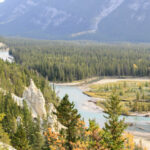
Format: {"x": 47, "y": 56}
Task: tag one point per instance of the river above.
{"x": 90, "y": 111}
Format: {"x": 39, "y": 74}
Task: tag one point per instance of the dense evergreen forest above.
{"x": 19, "y": 129}
{"x": 17, "y": 126}
{"x": 68, "y": 61}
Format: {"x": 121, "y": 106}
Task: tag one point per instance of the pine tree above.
{"x": 37, "y": 138}
{"x": 114, "y": 127}
{"x": 19, "y": 141}
{"x": 95, "y": 136}
{"x": 69, "y": 117}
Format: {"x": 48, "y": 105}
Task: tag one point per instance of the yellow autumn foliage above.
{"x": 85, "y": 136}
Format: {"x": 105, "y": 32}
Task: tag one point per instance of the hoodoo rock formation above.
{"x": 35, "y": 100}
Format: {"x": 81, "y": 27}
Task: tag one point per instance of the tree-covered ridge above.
{"x": 68, "y": 61}
{"x": 19, "y": 128}
{"x": 14, "y": 79}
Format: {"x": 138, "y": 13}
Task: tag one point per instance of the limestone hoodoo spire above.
{"x": 35, "y": 100}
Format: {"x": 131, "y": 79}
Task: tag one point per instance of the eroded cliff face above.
{"x": 35, "y": 100}
{"x": 53, "y": 120}
{"x": 36, "y": 103}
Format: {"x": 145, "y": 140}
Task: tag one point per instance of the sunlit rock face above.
{"x": 4, "y": 53}
{"x": 35, "y": 100}
{"x": 36, "y": 103}
{"x": 17, "y": 99}
{"x": 53, "y": 120}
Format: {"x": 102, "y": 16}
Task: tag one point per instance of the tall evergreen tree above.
{"x": 95, "y": 136}
{"x": 32, "y": 129}
{"x": 19, "y": 141}
{"x": 37, "y": 138}
{"x": 114, "y": 127}
{"x": 68, "y": 116}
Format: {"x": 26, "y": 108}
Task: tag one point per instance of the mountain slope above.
{"x": 107, "y": 20}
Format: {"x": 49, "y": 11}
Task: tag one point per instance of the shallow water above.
{"x": 90, "y": 111}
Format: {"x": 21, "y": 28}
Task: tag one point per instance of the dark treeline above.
{"x": 68, "y": 61}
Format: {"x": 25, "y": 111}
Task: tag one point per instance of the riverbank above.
{"x": 105, "y": 80}
{"x": 100, "y": 80}
{"x": 136, "y": 114}
{"x": 79, "y": 82}
{"x": 103, "y": 88}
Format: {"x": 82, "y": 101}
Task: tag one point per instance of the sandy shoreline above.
{"x": 78, "y": 83}
{"x": 104, "y": 81}
{"x": 85, "y": 88}
{"x": 84, "y": 84}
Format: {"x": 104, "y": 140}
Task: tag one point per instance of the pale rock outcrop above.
{"x": 4, "y": 53}
{"x": 36, "y": 103}
{"x": 52, "y": 119}
{"x": 6, "y": 146}
{"x": 18, "y": 100}
{"x": 35, "y": 100}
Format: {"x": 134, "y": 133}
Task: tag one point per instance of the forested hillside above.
{"x": 14, "y": 79}
{"x": 17, "y": 126}
{"x": 68, "y": 61}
